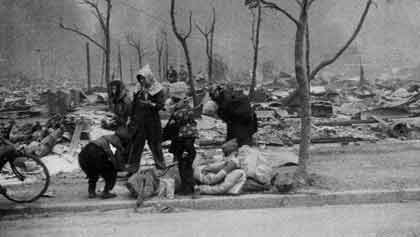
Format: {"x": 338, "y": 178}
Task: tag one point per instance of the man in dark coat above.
{"x": 120, "y": 102}
{"x": 182, "y": 74}
{"x": 145, "y": 121}
{"x": 172, "y": 75}
{"x": 234, "y": 108}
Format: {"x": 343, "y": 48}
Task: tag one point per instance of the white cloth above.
{"x": 146, "y": 72}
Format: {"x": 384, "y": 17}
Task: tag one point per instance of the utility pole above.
{"x": 89, "y": 83}
{"x": 120, "y": 62}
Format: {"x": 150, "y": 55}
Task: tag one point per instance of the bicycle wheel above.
{"x": 25, "y": 179}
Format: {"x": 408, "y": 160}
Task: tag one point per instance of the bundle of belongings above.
{"x": 246, "y": 169}
{"x": 148, "y": 182}
{"x": 227, "y": 171}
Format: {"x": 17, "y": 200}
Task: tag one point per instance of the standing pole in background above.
{"x": 89, "y": 82}
{"x": 120, "y": 62}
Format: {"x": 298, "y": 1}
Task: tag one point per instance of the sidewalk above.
{"x": 368, "y": 173}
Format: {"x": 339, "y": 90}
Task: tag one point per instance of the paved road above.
{"x": 386, "y": 220}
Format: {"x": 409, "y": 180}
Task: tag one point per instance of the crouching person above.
{"x": 181, "y": 129}
{"x": 101, "y": 158}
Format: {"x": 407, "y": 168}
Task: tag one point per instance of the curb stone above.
{"x": 253, "y": 201}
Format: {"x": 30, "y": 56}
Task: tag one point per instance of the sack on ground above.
{"x": 255, "y": 164}
{"x": 143, "y": 184}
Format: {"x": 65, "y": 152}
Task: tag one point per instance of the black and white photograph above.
{"x": 210, "y": 118}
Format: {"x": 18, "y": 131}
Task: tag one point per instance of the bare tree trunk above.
{"x": 89, "y": 83}
{"x": 137, "y": 45}
{"x": 103, "y": 69}
{"x": 362, "y": 80}
{"x": 120, "y": 63}
{"x": 256, "y": 45}
{"x": 159, "y": 57}
{"x": 131, "y": 71}
{"x": 140, "y": 58}
{"x": 304, "y": 92}
{"x": 303, "y": 76}
{"x": 183, "y": 41}
{"x": 166, "y": 58}
{"x": 210, "y": 63}
{"x": 209, "y": 39}
{"x": 108, "y": 45}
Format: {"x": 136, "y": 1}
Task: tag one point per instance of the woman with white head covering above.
{"x": 145, "y": 120}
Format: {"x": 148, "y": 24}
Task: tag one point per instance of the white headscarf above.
{"x": 146, "y": 72}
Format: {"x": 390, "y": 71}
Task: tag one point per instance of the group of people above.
{"x": 139, "y": 121}
{"x": 174, "y": 76}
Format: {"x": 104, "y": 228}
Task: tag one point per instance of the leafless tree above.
{"x": 208, "y": 34}
{"x": 182, "y": 38}
{"x": 104, "y": 19}
{"x": 303, "y": 68}
{"x": 138, "y": 46}
{"x": 160, "y": 45}
{"x": 166, "y": 58}
{"x": 255, "y": 39}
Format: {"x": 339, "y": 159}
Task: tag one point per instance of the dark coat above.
{"x": 172, "y": 76}
{"x": 120, "y": 103}
{"x": 181, "y": 126}
{"x": 145, "y": 115}
{"x": 104, "y": 143}
{"x": 235, "y": 110}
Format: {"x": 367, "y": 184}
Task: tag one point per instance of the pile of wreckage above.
{"x": 343, "y": 110}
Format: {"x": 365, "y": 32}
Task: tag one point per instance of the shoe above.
{"x": 132, "y": 191}
{"x": 3, "y": 190}
{"x": 196, "y": 194}
{"x": 108, "y": 195}
{"x": 92, "y": 195}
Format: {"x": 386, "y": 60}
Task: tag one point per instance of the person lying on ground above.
{"x": 101, "y": 158}
{"x": 220, "y": 177}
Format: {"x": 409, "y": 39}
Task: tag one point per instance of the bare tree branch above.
{"x": 175, "y": 27}
{"x": 272, "y": 5}
{"x": 310, "y": 3}
{"x": 190, "y": 26}
{"x": 202, "y": 31}
{"x": 299, "y": 3}
{"x": 97, "y": 12}
{"x": 183, "y": 41}
{"x": 328, "y": 62}
{"x": 77, "y": 31}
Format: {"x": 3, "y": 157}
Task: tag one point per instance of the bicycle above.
{"x": 23, "y": 177}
